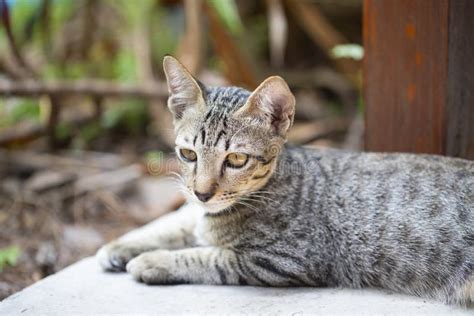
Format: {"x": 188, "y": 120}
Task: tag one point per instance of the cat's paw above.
{"x": 152, "y": 267}
{"x": 115, "y": 256}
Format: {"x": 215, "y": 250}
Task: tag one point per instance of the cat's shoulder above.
{"x": 347, "y": 156}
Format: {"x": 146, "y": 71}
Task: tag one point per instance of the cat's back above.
{"x": 381, "y": 175}
{"x": 425, "y": 185}
{"x": 385, "y": 196}
{"x": 402, "y": 180}
{"x": 392, "y": 219}
{"x": 421, "y": 187}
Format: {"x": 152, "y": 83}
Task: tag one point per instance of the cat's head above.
{"x": 227, "y": 139}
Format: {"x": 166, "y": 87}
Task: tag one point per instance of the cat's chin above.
{"x": 214, "y": 208}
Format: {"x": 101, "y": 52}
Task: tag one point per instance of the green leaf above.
{"x": 155, "y": 155}
{"x": 63, "y": 131}
{"x": 125, "y": 67}
{"x": 24, "y": 109}
{"x": 90, "y": 131}
{"x": 229, "y": 14}
{"x": 132, "y": 115}
{"x": 9, "y": 256}
{"x": 354, "y": 51}
{"x": 21, "y": 13}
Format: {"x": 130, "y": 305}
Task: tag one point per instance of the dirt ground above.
{"x": 54, "y": 222}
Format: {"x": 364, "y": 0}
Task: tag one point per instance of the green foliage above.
{"x": 86, "y": 134}
{"x": 354, "y": 51}
{"x": 22, "y": 15}
{"x": 154, "y": 155}
{"x": 135, "y": 12}
{"x": 255, "y": 37}
{"x": 229, "y": 14}
{"x": 124, "y": 67}
{"x": 61, "y": 11}
{"x": 27, "y": 25}
{"x": 165, "y": 32}
{"x": 130, "y": 115}
{"x": 74, "y": 70}
{"x": 90, "y": 131}
{"x": 62, "y": 49}
{"x": 63, "y": 131}
{"x": 154, "y": 160}
{"x": 25, "y": 109}
{"x": 9, "y": 256}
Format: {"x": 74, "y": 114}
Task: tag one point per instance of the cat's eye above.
{"x": 236, "y": 160}
{"x": 187, "y": 154}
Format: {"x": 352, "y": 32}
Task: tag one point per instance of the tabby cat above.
{"x": 264, "y": 213}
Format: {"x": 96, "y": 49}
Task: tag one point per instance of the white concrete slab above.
{"x": 84, "y": 289}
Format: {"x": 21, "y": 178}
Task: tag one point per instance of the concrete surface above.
{"x": 84, "y": 289}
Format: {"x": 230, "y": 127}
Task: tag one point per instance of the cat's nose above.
{"x": 204, "y": 197}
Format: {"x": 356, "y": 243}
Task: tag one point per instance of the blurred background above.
{"x": 86, "y": 140}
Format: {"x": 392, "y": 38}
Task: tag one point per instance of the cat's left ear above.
{"x": 186, "y": 93}
{"x": 273, "y": 103}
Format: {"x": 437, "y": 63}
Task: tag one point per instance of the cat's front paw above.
{"x": 115, "y": 256}
{"x": 152, "y": 267}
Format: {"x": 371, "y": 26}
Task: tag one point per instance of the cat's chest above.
{"x": 202, "y": 234}
{"x": 216, "y": 232}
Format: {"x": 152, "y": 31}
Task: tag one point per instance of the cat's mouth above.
{"x": 217, "y": 206}
{"x": 229, "y": 200}
{"x": 214, "y": 207}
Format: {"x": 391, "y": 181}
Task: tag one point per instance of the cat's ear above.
{"x": 185, "y": 91}
{"x": 273, "y": 103}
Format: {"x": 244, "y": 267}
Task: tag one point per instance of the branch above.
{"x": 11, "y": 40}
{"x": 11, "y": 70}
{"x": 90, "y": 87}
{"x": 323, "y": 34}
{"x": 26, "y": 132}
{"x": 236, "y": 66}
{"x": 190, "y": 50}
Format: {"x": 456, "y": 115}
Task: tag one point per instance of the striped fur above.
{"x": 295, "y": 216}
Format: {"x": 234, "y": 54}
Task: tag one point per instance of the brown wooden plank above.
{"x": 460, "y": 112}
{"x": 406, "y": 45}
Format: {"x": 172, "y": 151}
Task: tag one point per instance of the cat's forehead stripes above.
{"x": 221, "y": 103}
{"x": 214, "y": 133}
{"x": 226, "y": 98}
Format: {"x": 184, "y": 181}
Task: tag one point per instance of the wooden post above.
{"x": 98, "y": 108}
{"x": 419, "y": 76}
{"x": 460, "y": 110}
{"x": 53, "y": 120}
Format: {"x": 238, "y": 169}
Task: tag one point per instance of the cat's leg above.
{"x": 469, "y": 292}
{"x": 201, "y": 265}
{"x": 172, "y": 231}
{"x": 213, "y": 265}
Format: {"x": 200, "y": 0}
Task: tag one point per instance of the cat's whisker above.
{"x": 175, "y": 175}
{"x": 254, "y": 197}
{"x": 252, "y": 200}
{"x": 257, "y": 210}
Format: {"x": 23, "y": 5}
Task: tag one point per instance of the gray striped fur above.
{"x": 296, "y": 216}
